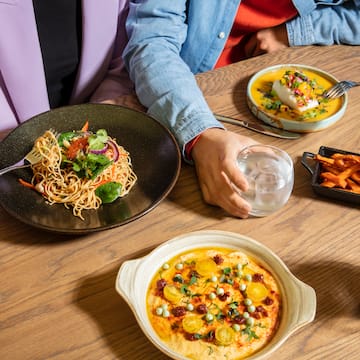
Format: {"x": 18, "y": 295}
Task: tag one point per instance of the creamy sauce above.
{"x": 214, "y": 303}
{"x": 268, "y": 102}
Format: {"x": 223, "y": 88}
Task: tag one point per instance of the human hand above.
{"x": 215, "y": 155}
{"x": 267, "y": 40}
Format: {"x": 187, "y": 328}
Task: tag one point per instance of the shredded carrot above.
{"x": 85, "y": 126}
{"x": 26, "y": 184}
{"x": 102, "y": 183}
{"x": 105, "y": 181}
{"x": 113, "y": 169}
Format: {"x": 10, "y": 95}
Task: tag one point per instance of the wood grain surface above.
{"x": 57, "y": 292}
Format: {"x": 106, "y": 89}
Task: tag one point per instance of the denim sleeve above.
{"x": 164, "y": 83}
{"x": 327, "y": 25}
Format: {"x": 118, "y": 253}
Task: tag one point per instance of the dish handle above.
{"x": 126, "y": 279}
{"x": 304, "y": 161}
{"x": 307, "y": 305}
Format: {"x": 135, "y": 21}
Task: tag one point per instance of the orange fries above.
{"x": 340, "y": 171}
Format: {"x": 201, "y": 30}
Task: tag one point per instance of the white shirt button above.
{"x": 221, "y": 35}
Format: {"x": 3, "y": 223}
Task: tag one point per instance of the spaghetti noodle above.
{"x": 82, "y": 170}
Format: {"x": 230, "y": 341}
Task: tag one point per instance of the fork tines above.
{"x": 339, "y": 89}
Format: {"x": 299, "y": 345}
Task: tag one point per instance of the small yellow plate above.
{"x": 260, "y": 100}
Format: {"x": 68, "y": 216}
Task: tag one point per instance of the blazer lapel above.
{"x": 98, "y": 35}
{"x": 20, "y": 58}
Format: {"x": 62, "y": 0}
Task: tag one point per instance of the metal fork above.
{"x": 340, "y": 89}
{"x": 31, "y": 158}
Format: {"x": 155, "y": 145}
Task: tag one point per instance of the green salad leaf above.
{"x": 66, "y": 136}
{"x": 92, "y": 165}
{"x": 97, "y": 141}
{"x": 109, "y": 192}
{"x": 86, "y": 164}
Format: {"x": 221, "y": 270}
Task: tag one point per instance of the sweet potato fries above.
{"x": 340, "y": 171}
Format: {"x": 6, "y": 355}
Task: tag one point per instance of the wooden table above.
{"x": 57, "y": 293}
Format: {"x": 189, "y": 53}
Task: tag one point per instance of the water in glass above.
{"x": 269, "y": 172}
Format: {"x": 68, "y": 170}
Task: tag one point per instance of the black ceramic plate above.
{"x": 154, "y": 153}
{"x": 315, "y": 170}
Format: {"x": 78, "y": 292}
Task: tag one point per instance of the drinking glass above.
{"x": 270, "y": 174}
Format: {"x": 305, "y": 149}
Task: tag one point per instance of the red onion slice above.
{"x": 100, "y": 151}
{"x": 115, "y": 150}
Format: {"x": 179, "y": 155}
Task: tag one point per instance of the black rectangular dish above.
{"x": 314, "y": 167}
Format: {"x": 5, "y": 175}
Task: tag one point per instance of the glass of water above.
{"x": 270, "y": 174}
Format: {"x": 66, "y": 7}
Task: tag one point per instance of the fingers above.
{"x": 234, "y": 175}
{"x": 225, "y": 196}
{"x": 267, "y": 40}
{"x": 273, "y": 39}
{"x": 252, "y": 47}
{"x": 219, "y": 177}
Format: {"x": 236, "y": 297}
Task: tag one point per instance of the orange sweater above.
{"x": 252, "y": 16}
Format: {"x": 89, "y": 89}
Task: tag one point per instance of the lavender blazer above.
{"x": 101, "y": 73}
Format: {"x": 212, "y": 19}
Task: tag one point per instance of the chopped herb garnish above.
{"x": 250, "y": 333}
{"x": 227, "y": 270}
{"x": 193, "y": 280}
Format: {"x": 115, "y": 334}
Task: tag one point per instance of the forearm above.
{"x": 326, "y": 25}
{"x": 164, "y": 83}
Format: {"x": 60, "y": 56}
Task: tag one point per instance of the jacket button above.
{"x": 221, "y": 35}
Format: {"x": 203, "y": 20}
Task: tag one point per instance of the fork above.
{"x": 340, "y": 89}
{"x": 31, "y": 158}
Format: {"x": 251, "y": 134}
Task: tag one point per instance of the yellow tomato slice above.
{"x": 256, "y": 291}
{"x": 206, "y": 267}
{"x": 224, "y": 335}
{"x": 192, "y": 324}
{"x": 172, "y": 294}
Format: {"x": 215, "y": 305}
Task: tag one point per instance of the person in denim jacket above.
{"x": 170, "y": 41}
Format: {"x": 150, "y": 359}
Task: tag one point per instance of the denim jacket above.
{"x": 170, "y": 41}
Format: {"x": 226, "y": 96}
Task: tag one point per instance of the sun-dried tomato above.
{"x": 224, "y": 296}
{"x": 179, "y": 311}
{"x": 160, "y": 284}
{"x": 268, "y": 301}
{"x": 218, "y": 259}
{"x": 75, "y": 146}
{"x": 202, "y": 309}
{"x": 258, "y": 277}
{"x": 239, "y": 320}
